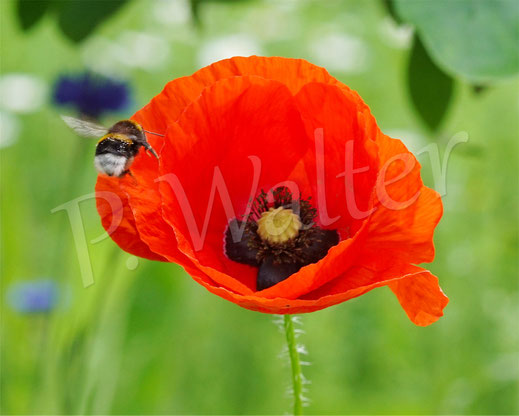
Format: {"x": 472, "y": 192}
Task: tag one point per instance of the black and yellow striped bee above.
{"x": 117, "y": 146}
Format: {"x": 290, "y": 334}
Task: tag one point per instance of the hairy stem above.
{"x": 297, "y": 375}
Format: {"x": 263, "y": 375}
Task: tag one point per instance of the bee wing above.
{"x": 85, "y": 128}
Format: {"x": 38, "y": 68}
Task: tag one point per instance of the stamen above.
{"x": 279, "y": 237}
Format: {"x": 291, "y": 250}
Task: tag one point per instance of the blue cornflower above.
{"x": 33, "y": 296}
{"x": 91, "y": 95}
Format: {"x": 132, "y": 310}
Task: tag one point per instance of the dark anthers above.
{"x": 279, "y": 260}
{"x": 291, "y": 251}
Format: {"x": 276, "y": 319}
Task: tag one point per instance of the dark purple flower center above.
{"x": 278, "y": 237}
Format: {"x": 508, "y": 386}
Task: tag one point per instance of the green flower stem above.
{"x": 297, "y": 374}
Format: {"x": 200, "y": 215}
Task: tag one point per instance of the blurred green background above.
{"x": 145, "y": 338}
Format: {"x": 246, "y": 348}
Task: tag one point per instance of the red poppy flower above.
{"x": 256, "y": 143}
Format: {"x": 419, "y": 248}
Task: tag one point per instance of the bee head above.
{"x": 128, "y": 128}
{"x": 133, "y": 131}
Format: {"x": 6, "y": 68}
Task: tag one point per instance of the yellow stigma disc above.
{"x": 278, "y": 225}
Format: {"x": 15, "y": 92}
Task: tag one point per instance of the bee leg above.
{"x": 154, "y": 153}
{"x": 129, "y": 173}
{"x": 150, "y": 149}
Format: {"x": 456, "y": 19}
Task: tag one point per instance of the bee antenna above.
{"x": 156, "y": 134}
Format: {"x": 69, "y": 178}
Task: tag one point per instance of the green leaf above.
{"x": 30, "y": 12}
{"x": 430, "y": 88}
{"x": 389, "y": 5}
{"x": 78, "y": 18}
{"x": 474, "y": 39}
{"x": 196, "y": 5}
{"x": 195, "y": 10}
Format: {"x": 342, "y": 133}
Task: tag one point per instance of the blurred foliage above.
{"x": 485, "y": 53}
{"x": 77, "y": 19}
{"x": 429, "y": 87}
{"x": 31, "y": 11}
{"x": 196, "y": 5}
{"x": 473, "y": 39}
{"x": 149, "y": 340}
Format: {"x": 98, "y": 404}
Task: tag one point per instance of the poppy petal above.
{"x": 421, "y": 297}
{"x": 125, "y": 233}
{"x": 424, "y": 309}
{"x": 409, "y": 237}
{"x": 407, "y": 212}
{"x": 233, "y": 122}
{"x": 326, "y": 107}
{"x": 293, "y": 73}
{"x": 342, "y": 163}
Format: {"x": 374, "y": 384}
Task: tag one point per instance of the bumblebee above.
{"x": 117, "y": 146}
